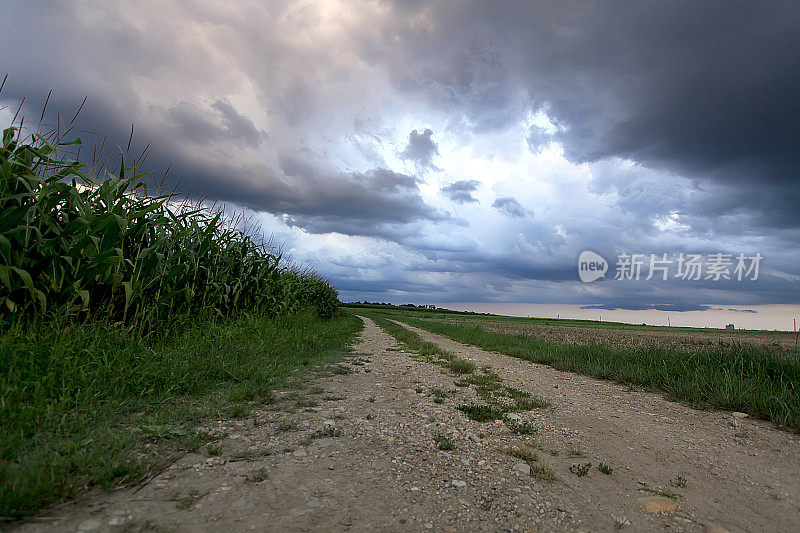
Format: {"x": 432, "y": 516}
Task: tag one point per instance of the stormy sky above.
{"x": 439, "y": 151}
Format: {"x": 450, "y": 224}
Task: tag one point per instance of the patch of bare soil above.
{"x": 378, "y": 444}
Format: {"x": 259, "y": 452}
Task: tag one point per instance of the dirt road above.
{"x": 357, "y": 448}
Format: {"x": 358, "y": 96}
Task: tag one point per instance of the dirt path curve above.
{"x": 355, "y": 449}
{"x": 741, "y": 474}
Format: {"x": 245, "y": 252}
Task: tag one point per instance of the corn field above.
{"x": 107, "y": 248}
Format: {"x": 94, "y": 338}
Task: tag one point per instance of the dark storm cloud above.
{"x": 421, "y": 148}
{"x": 197, "y": 144}
{"x": 708, "y": 90}
{"x": 510, "y": 207}
{"x": 678, "y": 307}
{"x": 221, "y": 122}
{"x": 320, "y": 198}
{"x": 461, "y": 191}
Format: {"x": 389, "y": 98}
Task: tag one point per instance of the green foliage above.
{"x": 79, "y": 401}
{"x": 521, "y": 427}
{"x": 108, "y": 248}
{"x": 443, "y": 442}
{"x": 461, "y": 366}
{"x": 543, "y": 472}
{"x": 580, "y": 470}
{"x": 665, "y": 493}
{"x": 524, "y": 453}
{"x": 481, "y": 413}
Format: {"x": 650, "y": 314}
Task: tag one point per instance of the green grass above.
{"x": 430, "y": 351}
{"x": 740, "y": 378}
{"x": 659, "y": 492}
{"x": 521, "y": 452}
{"x": 79, "y": 401}
{"x": 129, "y": 315}
{"x": 443, "y": 442}
{"x": 543, "y": 472}
{"x": 481, "y": 413}
{"x": 521, "y": 427}
{"x": 461, "y": 366}
{"x": 580, "y": 470}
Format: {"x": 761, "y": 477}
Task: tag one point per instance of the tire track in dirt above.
{"x": 741, "y": 474}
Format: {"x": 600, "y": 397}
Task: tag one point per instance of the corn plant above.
{"x": 108, "y": 248}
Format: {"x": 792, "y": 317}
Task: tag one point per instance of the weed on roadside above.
{"x": 542, "y": 447}
{"x": 520, "y": 427}
{"x": 543, "y": 472}
{"x": 238, "y": 411}
{"x": 342, "y": 370}
{"x": 679, "y": 482}
{"x": 328, "y": 432}
{"x": 481, "y": 413}
{"x": 287, "y": 426}
{"x": 257, "y": 476}
{"x": 438, "y": 395}
{"x": 443, "y": 442}
{"x": 665, "y": 493}
{"x": 214, "y": 449}
{"x": 575, "y": 451}
{"x": 461, "y": 366}
{"x": 524, "y": 453}
{"x": 580, "y": 470}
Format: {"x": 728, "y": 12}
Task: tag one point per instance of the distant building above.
{"x": 729, "y": 326}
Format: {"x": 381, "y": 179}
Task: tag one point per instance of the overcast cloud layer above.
{"x": 453, "y": 151}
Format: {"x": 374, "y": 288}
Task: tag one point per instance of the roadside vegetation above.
{"x": 129, "y": 316}
{"x": 499, "y": 400}
{"x": 739, "y": 377}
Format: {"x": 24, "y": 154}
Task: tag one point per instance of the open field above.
{"x": 679, "y": 338}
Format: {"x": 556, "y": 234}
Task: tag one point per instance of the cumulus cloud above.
{"x": 461, "y": 191}
{"x": 658, "y": 307}
{"x": 510, "y": 207}
{"x": 421, "y": 148}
